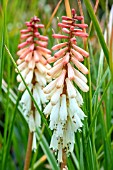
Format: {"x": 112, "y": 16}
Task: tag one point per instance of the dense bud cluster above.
{"x": 33, "y": 66}
{"x": 65, "y": 100}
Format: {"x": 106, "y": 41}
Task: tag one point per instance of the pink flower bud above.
{"x": 22, "y": 44}
{"x": 24, "y": 36}
{"x": 77, "y": 30}
{"x": 67, "y": 22}
{"x": 73, "y": 11}
{"x": 40, "y": 26}
{"x": 80, "y": 50}
{"x": 25, "y": 30}
{"x": 21, "y": 51}
{"x": 44, "y": 54}
{"x": 58, "y": 46}
{"x": 36, "y": 57}
{"x": 51, "y": 59}
{"x": 63, "y": 25}
{"x": 80, "y": 34}
{"x": 28, "y": 24}
{"x": 55, "y": 69}
{"x": 35, "y": 18}
{"x": 60, "y": 53}
{"x": 28, "y": 57}
{"x": 81, "y": 25}
{"x": 36, "y": 34}
{"x": 72, "y": 28}
{"x": 31, "y": 64}
{"x": 73, "y": 40}
{"x": 32, "y": 47}
{"x": 41, "y": 43}
{"x": 77, "y": 55}
{"x": 66, "y": 18}
{"x": 58, "y": 61}
{"x": 59, "y": 36}
{"x": 43, "y": 60}
{"x": 66, "y": 30}
{"x": 70, "y": 72}
{"x": 78, "y": 17}
{"x": 60, "y": 80}
{"x": 66, "y": 59}
{"x": 29, "y": 40}
{"x": 43, "y": 38}
{"x": 45, "y": 50}
{"x": 79, "y": 65}
{"x": 24, "y": 54}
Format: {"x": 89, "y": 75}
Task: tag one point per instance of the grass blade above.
{"x": 98, "y": 29}
{"x": 47, "y": 151}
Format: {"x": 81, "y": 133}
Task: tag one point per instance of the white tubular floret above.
{"x": 81, "y": 84}
{"x": 31, "y": 122}
{"x": 70, "y": 89}
{"x": 50, "y": 87}
{"x": 63, "y": 108}
{"x": 37, "y": 119}
{"x": 56, "y": 96}
{"x": 48, "y": 109}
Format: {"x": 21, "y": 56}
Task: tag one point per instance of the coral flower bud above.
{"x": 25, "y": 31}
{"x": 43, "y": 49}
{"x": 66, "y": 59}
{"x": 58, "y": 46}
{"x": 36, "y": 56}
{"x": 24, "y": 36}
{"x": 28, "y": 57}
{"x": 73, "y": 11}
{"x": 81, "y": 34}
{"x": 43, "y": 38}
{"x": 60, "y": 80}
{"x": 59, "y": 36}
{"x": 81, "y": 25}
{"x": 81, "y": 51}
{"x": 24, "y": 54}
{"x": 79, "y": 17}
{"x": 70, "y": 72}
{"x": 60, "y": 52}
{"x": 63, "y": 25}
{"x": 55, "y": 69}
{"x": 22, "y": 45}
{"x": 79, "y": 65}
{"x": 66, "y": 18}
{"x": 51, "y": 59}
{"x": 66, "y": 30}
{"x": 41, "y": 43}
{"x": 77, "y": 55}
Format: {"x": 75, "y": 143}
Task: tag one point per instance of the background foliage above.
{"x": 94, "y": 145}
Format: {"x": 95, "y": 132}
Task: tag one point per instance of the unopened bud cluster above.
{"x": 33, "y": 66}
{"x": 65, "y": 100}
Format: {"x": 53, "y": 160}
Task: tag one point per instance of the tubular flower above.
{"x": 65, "y": 100}
{"x": 33, "y": 66}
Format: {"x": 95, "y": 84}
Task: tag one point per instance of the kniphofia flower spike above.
{"x": 32, "y": 63}
{"x": 65, "y": 100}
